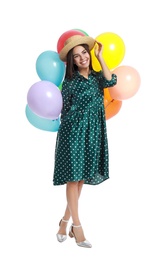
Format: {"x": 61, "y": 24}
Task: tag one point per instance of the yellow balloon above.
{"x": 113, "y": 51}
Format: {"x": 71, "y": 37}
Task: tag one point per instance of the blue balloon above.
{"x": 49, "y": 67}
{"x": 42, "y": 123}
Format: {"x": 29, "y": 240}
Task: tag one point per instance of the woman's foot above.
{"x": 61, "y": 235}
{"x": 78, "y": 234}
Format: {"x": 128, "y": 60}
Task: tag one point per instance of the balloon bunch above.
{"x": 128, "y": 78}
{"x": 44, "y": 99}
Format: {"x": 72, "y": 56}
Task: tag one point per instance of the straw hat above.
{"x": 74, "y": 41}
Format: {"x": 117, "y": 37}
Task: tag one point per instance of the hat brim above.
{"x": 83, "y": 40}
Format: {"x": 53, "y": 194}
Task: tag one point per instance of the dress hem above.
{"x": 93, "y": 184}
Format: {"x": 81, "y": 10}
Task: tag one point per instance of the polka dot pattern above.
{"x": 81, "y": 151}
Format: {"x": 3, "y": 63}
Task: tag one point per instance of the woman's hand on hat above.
{"x": 98, "y": 49}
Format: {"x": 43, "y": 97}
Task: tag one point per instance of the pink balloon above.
{"x": 128, "y": 83}
{"x": 45, "y": 99}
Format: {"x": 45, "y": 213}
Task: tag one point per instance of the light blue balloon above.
{"x": 40, "y": 122}
{"x": 49, "y": 67}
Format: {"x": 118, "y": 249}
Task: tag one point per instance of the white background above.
{"x": 122, "y": 216}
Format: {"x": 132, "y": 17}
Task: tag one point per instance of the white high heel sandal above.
{"x": 60, "y": 237}
{"x": 84, "y": 243}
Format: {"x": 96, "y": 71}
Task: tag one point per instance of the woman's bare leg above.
{"x": 73, "y": 192}
{"x": 67, "y": 215}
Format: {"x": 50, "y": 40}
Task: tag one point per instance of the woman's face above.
{"x": 81, "y": 57}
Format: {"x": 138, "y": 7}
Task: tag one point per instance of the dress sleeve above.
{"x": 66, "y": 96}
{"x": 104, "y": 83}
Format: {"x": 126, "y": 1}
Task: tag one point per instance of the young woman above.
{"x": 81, "y": 153}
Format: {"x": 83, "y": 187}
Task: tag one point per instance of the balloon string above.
{"x": 110, "y": 103}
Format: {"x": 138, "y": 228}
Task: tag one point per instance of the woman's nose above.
{"x": 81, "y": 57}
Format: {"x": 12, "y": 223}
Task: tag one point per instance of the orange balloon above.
{"x": 128, "y": 83}
{"x": 112, "y": 106}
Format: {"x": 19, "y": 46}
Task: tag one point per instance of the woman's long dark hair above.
{"x": 70, "y": 66}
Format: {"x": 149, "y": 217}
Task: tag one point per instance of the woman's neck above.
{"x": 85, "y": 72}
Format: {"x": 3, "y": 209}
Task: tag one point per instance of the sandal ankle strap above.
{"x": 65, "y": 220}
{"x": 76, "y": 226}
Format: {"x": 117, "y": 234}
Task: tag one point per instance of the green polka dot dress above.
{"x": 81, "y": 151}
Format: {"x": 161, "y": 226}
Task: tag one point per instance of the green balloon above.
{"x": 81, "y": 31}
{"x": 60, "y": 87}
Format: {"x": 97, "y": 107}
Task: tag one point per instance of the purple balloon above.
{"x": 45, "y": 99}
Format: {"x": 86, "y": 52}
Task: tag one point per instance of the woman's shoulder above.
{"x": 68, "y": 83}
{"x": 97, "y": 73}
